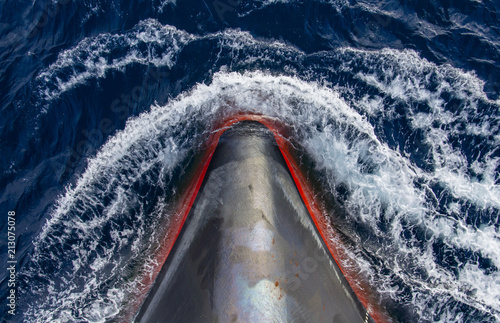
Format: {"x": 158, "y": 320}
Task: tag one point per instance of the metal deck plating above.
{"x": 249, "y": 251}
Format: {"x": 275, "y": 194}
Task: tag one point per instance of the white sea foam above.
{"x": 148, "y": 43}
{"x": 92, "y": 57}
{"x": 164, "y": 3}
{"x": 406, "y": 77}
{"x": 261, "y": 4}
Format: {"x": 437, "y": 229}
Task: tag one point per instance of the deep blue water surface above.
{"x": 396, "y": 103}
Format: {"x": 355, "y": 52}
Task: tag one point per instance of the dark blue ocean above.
{"x": 105, "y": 103}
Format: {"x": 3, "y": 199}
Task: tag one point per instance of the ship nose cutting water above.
{"x": 249, "y": 250}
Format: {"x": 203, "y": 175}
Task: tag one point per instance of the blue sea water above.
{"x": 104, "y": 103}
